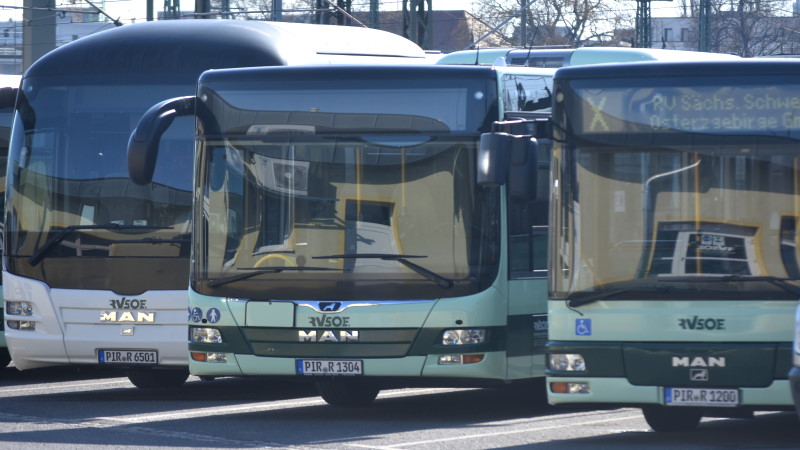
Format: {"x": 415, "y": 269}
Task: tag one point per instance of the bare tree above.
{"x": 748, "y": 28}
{"x": 560, "y": 22}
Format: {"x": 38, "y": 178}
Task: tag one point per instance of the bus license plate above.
{"x": 328, "y": 367}
{"x": 149, "y": 357}
{"x": 701, "y": 397}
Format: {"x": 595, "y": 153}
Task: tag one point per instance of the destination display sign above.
{"x": 754, "y": 109}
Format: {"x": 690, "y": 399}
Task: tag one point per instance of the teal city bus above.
{"x": 674, "y": 269}
{"x": 354, "y": 226}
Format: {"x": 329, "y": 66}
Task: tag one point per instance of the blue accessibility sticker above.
{"x": 583, "y": 327}
{"x": 197, "y": 315}
{"x": 213, "y": 315}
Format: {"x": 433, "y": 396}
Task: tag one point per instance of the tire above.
{"x": 5, "y": 357}
{"x": 157, "y": 378}
{"x": 672, "y": 419}
{"x": 347, "y": 393}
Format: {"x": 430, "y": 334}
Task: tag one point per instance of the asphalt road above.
{"x": 79, "y": 408}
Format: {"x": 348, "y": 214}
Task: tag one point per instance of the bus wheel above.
{"x": 5, "y": 358}
{"x": 669, "y": 418}
{"x": 339, "y": 392}
{"x": 157, "y": 378}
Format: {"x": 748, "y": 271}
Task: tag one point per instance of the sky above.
{"x": 126, "y": 10}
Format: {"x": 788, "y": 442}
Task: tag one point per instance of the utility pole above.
{"x": 172, "y": 10}
{"x": 644, "y": 33}
{"x": 374, "y": 14}
{"x": 277, "y": 10}
{"x": 38, "y": 31}
{"x": 704, "y": 26}
{"x": 523, "y": 25}
{"x": 343, "y": 6}
{"x": 322, "y": 14}
{"x": 417, "y": 23}
{"x": 202, "y": 7}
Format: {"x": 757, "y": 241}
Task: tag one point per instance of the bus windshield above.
{"x": 686, "y": 192}
{"x": 342, "y": 202}
{"x": 71, "y": 196}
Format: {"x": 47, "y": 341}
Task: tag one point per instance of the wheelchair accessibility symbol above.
{"x": 583, "y": 327}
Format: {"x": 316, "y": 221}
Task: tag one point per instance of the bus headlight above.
{"x": 566, "y": 362}
{"x": 464, "y": 336}
{"x": 205, "y": 336}
{"x": 19, "y": 308}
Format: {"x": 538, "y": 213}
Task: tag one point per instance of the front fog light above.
{"x": 460, "y": 359}
{"x": 569, "y": 388}
{"x": 209, "y": 357}
{"x": 567, "y": 362}
{"x": 19, "y": 308}
{"x": 464, "y": 337}
{"x": 23, "y": 325}
{"x": 205, "y": 335}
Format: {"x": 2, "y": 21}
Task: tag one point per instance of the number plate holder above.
{"x": 680, "y": 396}
{"x": 124, "y": 356}
{"x": 329, "y": 367}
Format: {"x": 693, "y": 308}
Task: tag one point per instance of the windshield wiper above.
{"x": 659, "y": 285}
{"x": 258, "y": 271}
{"x": 444, "y": 283}
{"x": 42, "y": 251}
{"x": 781, "y": 282}
{"x": 648, "y": 285}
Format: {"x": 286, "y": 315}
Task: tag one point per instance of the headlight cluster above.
{"x": 464, "y": 336}
{"x": 205, "y": 336}
{"x": 20, "y": 309}
{"x": 566, "y": 362}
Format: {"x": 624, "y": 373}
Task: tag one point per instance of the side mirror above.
{"x": 508, "y": 159}
{"x": 145, "y": 138}
{"x": 493, "y": 159}
{"x": 8, "y": 96}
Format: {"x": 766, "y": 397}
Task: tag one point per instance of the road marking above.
{"x": 504, "y": 433}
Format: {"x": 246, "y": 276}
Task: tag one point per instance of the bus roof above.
{"x": 181, "y": 46}
{"x": 576, "y": 56}
{"x": 380, "y": 70}
{"x": 720, "y": 68}
{"x": 600, "y": 55}
{"x": 480, "y": 56}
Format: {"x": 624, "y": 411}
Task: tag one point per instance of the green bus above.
{"x": 354, "y": 226}
{"x": 673, "y": 256}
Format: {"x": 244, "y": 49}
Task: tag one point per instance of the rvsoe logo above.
{"x": 128, "y": 303}
{"x": 702, "y": 323}
{"x": 698, "y": 361}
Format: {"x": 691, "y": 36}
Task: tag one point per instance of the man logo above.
{"x": 127, "y": 316}
{"x": 328, "y": 336}
{"x": 698, "y": 361}
{"x": 329, "y": 306}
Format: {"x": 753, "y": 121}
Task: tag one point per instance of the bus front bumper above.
{"x": 619, "y": 391}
